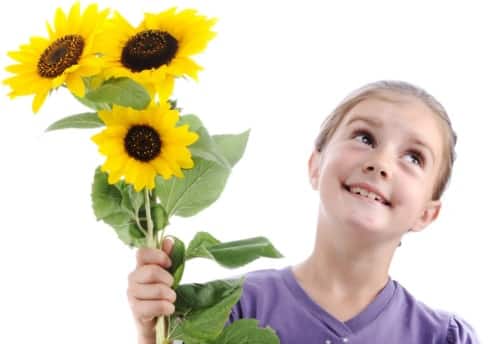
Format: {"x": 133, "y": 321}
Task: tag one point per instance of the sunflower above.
{"x": 65, "y": 57}
{"x": 156, "y": 51}
{"x": 139, "y": 144}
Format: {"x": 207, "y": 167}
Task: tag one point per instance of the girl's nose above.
{"x": 371, "y": 167}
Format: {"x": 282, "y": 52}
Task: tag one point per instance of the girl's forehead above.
{"x": 403, "y": 112}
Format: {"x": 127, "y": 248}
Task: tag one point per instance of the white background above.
{"x": 278, "y": 68}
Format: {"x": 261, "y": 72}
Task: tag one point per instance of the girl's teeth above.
{"x": 365, "y": 193}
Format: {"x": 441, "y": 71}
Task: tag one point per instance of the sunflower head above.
{"x": 67, "y": 55}
{"x": 140, "y": 144}
{"x": 158, "y": 50}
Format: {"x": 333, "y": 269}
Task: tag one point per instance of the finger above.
{"x": 147, "y": 274}
{"x": 147, "y": 310}
{"x": 168, "y": 244}
{"x": 152, "y": 256}
{"x": 156, "y": 291}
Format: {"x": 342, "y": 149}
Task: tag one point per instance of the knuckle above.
{"x": 169, "y": 279}
{"x": 167, "y": 308}
{"x": 168, "y": 261}
{"x": 162, "y": 292}
{"x": 151, "y": 273}
{"x": 131, "y": 293}
{"x": 167, "y": 294}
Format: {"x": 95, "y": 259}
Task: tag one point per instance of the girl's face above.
{"x": 392, "y": 148}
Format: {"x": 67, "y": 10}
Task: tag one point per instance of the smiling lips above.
{"x": 367, "y": 191}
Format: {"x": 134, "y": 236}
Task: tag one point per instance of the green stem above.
{"x": 152, "y": 243}
{"x": 150, "y": 238}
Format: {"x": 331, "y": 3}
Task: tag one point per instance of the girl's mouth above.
{"x": 383, "y": 202}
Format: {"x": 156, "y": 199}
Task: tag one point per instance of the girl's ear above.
{"x": 429, "y": 214}
{"x": 313, "y": 166}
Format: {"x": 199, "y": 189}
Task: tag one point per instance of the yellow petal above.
{"x": 123, "y": 24}
{"x": 89, "y": 66}
{"x": 60, "y": 22}
{"x": 181, "y": 66}
{"x": 58, "y": 81}
{"x": 165, "y": 89}
{"x": 76, "y": 84}
{"x": 113, "y": 178}
{"x": 162, "y": 167}
{"x": 49, "y": 30}
{"x": 20, "y": 68}
{"x": 20, "y": 57}
{"x": 38, "y": 101}
{"x": 111, "y": 147}
{"x": 74, "y": 18}
{"x": 131, "y": 171}
{"x": 115, "y": 163}
{"x": 147, "y": 175}
{"x": 171, "y": 161}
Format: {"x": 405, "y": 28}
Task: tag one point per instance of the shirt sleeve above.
{"x": 460, "y": 332}
{"x": 235, "y": 314}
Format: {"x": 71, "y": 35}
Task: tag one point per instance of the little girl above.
{"x": 381, "y": 163}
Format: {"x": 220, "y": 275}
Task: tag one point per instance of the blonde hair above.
{"x": 375, "y": 89}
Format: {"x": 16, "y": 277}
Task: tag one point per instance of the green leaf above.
{"x": 205, "y": 324}
{"x": 82, "y": 120}
{"x": 133, "y": 203}
{"x": 178, "y": 257}
{"x": 246, "y": 331}
{"x": 203, "y": 295}
{"x": 106, "y": 199}
{"x": 159, "y": 217}
{"x": 126, "y": 229}
{"x": 131, "y": 200}
{"x": 201, "y": 186}
{"x": 199, "y": 244}
{"x": 193, "y": 121}
{"x": 135, "y": 231}
{"x": 121, "y": 91}
{"x": 107, "y": 206}
{"x": 93, "y": 105}
{"x": 204, "y": 183}
{"x": 235, "y": 254}
{"x": 205, "y": 147}
{"x": 232, "y": 146}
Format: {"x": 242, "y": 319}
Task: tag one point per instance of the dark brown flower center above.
{"x": 149, "y": 49}
{"x": 142, "y": 143}
{"x": 61, "y": 54}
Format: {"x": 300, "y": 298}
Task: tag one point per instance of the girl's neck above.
{"x": 343, "y": 269}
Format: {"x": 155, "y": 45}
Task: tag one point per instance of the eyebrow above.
{"x": 378, "y": 124}
{"x": 373, "y": 122}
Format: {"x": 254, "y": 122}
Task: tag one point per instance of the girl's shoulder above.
{"x": 453, "y": 327}
{"x": 460, "y": 331}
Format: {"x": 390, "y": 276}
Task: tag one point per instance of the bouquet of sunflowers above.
{"x": 159, "y": 163}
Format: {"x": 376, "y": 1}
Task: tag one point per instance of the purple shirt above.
{"x": 275, "y": 299}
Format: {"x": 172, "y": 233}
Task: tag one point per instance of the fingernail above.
{"x": 171, "y": 239}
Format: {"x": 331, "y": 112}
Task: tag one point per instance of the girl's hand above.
{"x": 149, "y": 289}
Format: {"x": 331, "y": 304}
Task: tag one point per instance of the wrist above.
{"x": 146, "y": 340}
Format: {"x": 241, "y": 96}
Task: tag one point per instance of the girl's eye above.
{"x": 417, "y": 158}
{"x": 365, "y": 136}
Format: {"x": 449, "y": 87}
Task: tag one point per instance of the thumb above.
{"x": 168, "y": 244}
